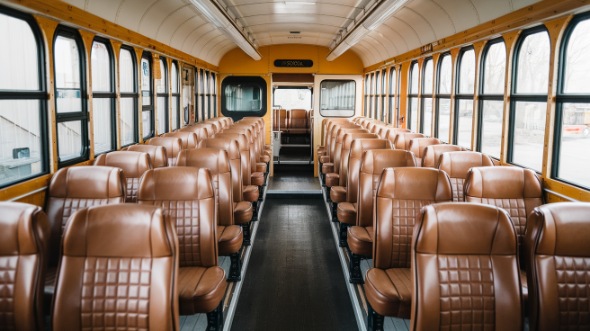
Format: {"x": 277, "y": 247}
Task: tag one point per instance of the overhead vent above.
{"x": 295, "y": 32}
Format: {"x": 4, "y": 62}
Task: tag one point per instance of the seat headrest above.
{"x": 120, "y": 230}
{"x": 417, "y": 145}
{"x": 241, "y": 138}
{"x": 175, "y": 183}
{"x": 415, "y": 184}
{"x": 214, "y": 159}
{"x": 173, "y": 145}
{"x": 468, "y": 229}
{"x": 359, "y": 146}
{"x": 226, "y": 143}
{"x": 198, "y": 129}
{"x": 17, "y": 228}
{"x": 457, "y": 164}
{"x": 432, "y": 153}
{"x": 85, "y": 182}
{"x": 504, "y": 182}
{"x": 349, "y": 137}
{"x": 564, "y": 229}
{"x": 133, "y": 164}
{"x": 189, "y": 139}
{"x": 375, "y": 160}
{"x": 157, "y": 154}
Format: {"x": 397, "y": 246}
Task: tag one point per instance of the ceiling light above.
{"x": 217, "y": 16}
{"x": 370, "y": 21}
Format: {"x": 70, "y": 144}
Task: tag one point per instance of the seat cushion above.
{"x": 327, "y": 168}
{"x": 324, "y": 159}
{"x": 264, "y": 158}
{"x": 360, "y": 240}
{"x": 337, "y": 194}
{"x": 243, "y": 212}
{"x": 257, "y": 178}
{"x": 229, "y": 239}
{"x": 260, "y": 167}
{"x": 346, "y": 213}
{"x": 389, "y": 291}
{"x": 200, "y": 289}
{"x": 250, "y": 193}
{"x": 332, "y": 179}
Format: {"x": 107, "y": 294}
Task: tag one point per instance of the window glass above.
{"x": 292, "y": 98}
{"x": 413, "y": 98}
{"x": 188, "y": 84}
{"x": 577, "y": 66}
{"x": 494, "y": 69}
{"x": 128, "y": 102}
{"x": 392, "y": 96}
{"x": 445, "y": 75}
{"x": 213, "y": 95}
{"x": 69, "y": 140}
{"x": 175, "y": 103}
{"x": 128, "y": 125}
{"x": 533, "y": 62}
{"x": 491, "y": 127}
{"x": 22, "y": 137}
{"x": 102, "y": 117}
{"x": 162, "y": 90}
{"x": 103, "y": 98}
{"x": 427, "y": 119}
{"x": 467, "y": 72}
{"x": 67, "y": 75}
{"x": 464, "y": 98}
{"x": 147, "y": 109}
{"x": 337, "y": 98}
{"x": 428, "y": 76}
{"x": 443, "y": 88}
{"x": 243, "y": 96}
{"x": 127, "y": 71}
{"x": 464, "y": 124}
{"x": 529, "y": 132}
{"x": 101, "y": 67}
{"x": 444, "y": 119}
{"x": 574, "y": 144}
{"x": 414, "y": 78}
{"x": 427, "y": 81}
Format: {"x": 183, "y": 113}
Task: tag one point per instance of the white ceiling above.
{"x": 178, "y": 23}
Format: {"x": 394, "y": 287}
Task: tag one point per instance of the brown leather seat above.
{"x": 360, "y": 235}
{"x": 24, "y": 232}
{"x": 279, "y": 122}
{"x": 229, "y": 235}
{"x": 515, "y": 189}
{"x": 73, "y": 188}
{"x": 417, "y": 146}
{"x": 199, "y": 129}
{"x": 326, "y": 160}
{"x": 465, "y": 270}
{"x": 257, "y": 176}
{"x": 243, "y": 210}
{"x": 172, "y": 145}
{"x": 189, "y": 139}
{"x": 297, "y": 121}
{"x": 327, "y": 124}
{"x": 333, "y": 178}
{"x": 432, "y": 154}
{"x": 558, "y": 249}
{"x": 401, "y": 193}
{"x": 133, "y": 164}
{"x": 119, "y": 267}
{"x": 401, "y": 140}
{"x": 187, "y": 195}
{"x": 157, "y": 154}
{"x": 457, "y": 165}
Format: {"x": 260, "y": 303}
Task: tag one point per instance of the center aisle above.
{"x": 294, "y": 279}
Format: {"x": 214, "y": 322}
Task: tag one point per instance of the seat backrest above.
{"x": 372, "y": 164}
{"x": 233, "y": 153}
{"x": 210, "y": 128}
{"x": 186, "y": 194}
{"x": 199, "y": 129}
{"x": 357, "y": 150}
{"x": 338, "y": 146}
{"x": 119, "y": 267}
{"x": 418, "y": 145}
{"x": 252, "y": 145}
{"x": 401, "y": 193}
{"x": 157, "y": 154}
{"x": 390, "y": 132}
{"x": 217, "y": 162}
{"x": 133, "y": 164}
{"x": 73, "y": 188}
{"x": 172, "y": 145}
{"x": 432, "y": 153}
{"x": 24, "y": 232}
{"x": 558, "y": 251}
{"x": 189, "y": 139}
{"x": 333, "y": 133}
{"x": 515, "y": 189}
{"x": 457, "y": 164}
{"x": 347, "y": 140}
{"x": 279, "y": 122}
{"x": 244, "y": 148}
{"x": 297, "y": 119}
{"x": 402, "y": 139}
{"x": 465, "y": 270}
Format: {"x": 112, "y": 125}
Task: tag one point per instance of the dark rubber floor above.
{"x": 294, "y": 279}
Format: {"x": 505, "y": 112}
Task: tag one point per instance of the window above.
{"x": 289, "y": 97}
{"x": 213, "y": 92}
{"x": 491, "y": 101}
{"x": 528, "y": 103}
{"x": 464, "y": 97}
{"x": 147, "y": 96}
{"x": 103, "y": 96}
{"x": 208, "y": 112}
{"x": 381, "y": 116}
{"x": 200, "y": 95}
{"x": 443, "y": 97}
{"x": 376, "y": 92}
{"x": 70, "y": 103}
{"x": 427, "y": 83}
{"x": 23, "y": 114}
{"x": 413, "y": 98}
{"x": 367, "y": 97}
{"x": 175, "y": 104}
{"x": 243, "y": 96}
{"x": 128, "y": 103}
{"x": 572, "y": 131}
{"x": 337, "y": 98}
{"x": 162, "y": 90}
{"x": 188, "y": 82}
{"x": 393, "y": 110}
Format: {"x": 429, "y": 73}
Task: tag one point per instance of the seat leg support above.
{"x": 334, "y": 212}
{"x": 374, "y": 320}
{"x": 235, "y": 269}
{"x": 255, "y": 213}
{"x": 247, "y": 234}
{"x": 215, "y": 318}
{"x": 343, "y": 234}
{"x": 354, "y": 269}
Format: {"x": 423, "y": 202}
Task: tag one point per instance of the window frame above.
{"x": 414, "y": 65}
{"x": 82, "y": 116}
{"x": 463, "y": 96}
{"x": 393, "y": 89}
{"x": 175, "y": 95}
{"x": 253, "y": 80}
{"x": 165, "y": 95}
{"x": 149, "y": 108}
{"x": 424, "y": 96}
{"x": 41, "y": 95}
{"x": 353, "y": 101}
{"x": 112, "y": 94}
{"x": 134, "y": 95}
{"x": 438, "y": 96}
